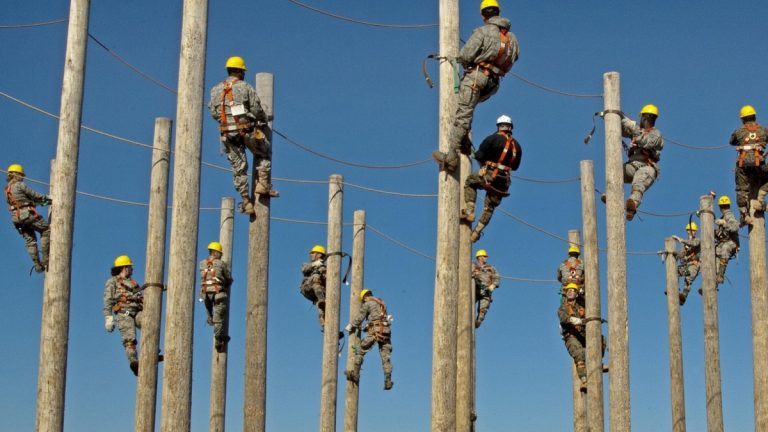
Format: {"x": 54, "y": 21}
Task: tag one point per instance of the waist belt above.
{"x": 499, "y": 166}
{"x": 749, "y": 147}
{"x": 490, "y": 69}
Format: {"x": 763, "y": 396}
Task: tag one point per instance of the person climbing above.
{"x": 123, "y": 303}
{"x": 377, "y": 330}
{"x": 572, "y": 269}
{"x": 726, "y": 237}
{"x": 216, "y": 280}
{"x": 499, "y": 154}
{"x": 21, "y": 203}
{"x": 689, "y": 260}
{"x": 486, "y": 279}
{"x": 751, "y": 177}
{"x": 313, "y": 284}
{"x": 487, "y": 56}
{"x": 235, "y": 105}
{"x": 572, "y": 323}
{"x": 644, "y": 153}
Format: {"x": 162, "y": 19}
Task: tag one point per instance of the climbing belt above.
{"x": 454, "y": 65}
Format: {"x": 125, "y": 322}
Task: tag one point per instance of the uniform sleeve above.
{"x": 361, "y": 315}
{"x": 213, "y": 106}
{"x": 306, "y": 268}
{"x": 483, "y": 152}
{"x": 731, "y": 223}
{"x": 734, "y": 141}
{"x": 472, "y": 48}
{"x": 109, "y": 297}
{"x": 629, "y": 127}
{"x": 495, "y": 277}
{"x": 255, "y": 105}
{"x": 560, "y": 273}
{"x": 32, "y": 194}
{"x": 562, "y": 314}
{"x": 519, "y": 158}
{"x": 651, "y": 140}
{"x": 226, "y": 273}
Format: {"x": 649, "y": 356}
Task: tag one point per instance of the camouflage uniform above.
{"x": 377, "y": 330}
{"x": 689, "y": 263}
{"x": 313, "y": 285}
{"x": 123, "y": 297}
{"x": 216, "y": 279}
{"x": 22, "y": 200}
{"x": 751, "y": 175}
{"x": 644, "y": 153}
{"x": 498, "y": 155}
{"x": 571, "y": 271}
{"x": 486, "y": 279}
{"x": 240, "y": 131}
{"x": 726, "y": 241}
{"x": 574, "y": 336}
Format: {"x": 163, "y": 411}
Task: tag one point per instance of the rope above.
{"x": 352, "y": 20}
{"x": 695, "y": 147}
{"x": 549, "y": 89}
{"x": 38, "y": 24}
{"x": 134, "y": 68}
{"x": 381, "y": 191}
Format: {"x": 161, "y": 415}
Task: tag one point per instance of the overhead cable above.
{"x": 551, "y": 90}
{"x": 37, "y": 24}
{"x": 367, "y": 23}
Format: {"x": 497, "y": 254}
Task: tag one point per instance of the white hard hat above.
{"x": 504, "y": 119}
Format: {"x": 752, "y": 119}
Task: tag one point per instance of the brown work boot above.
{"x": 631, "y": 209}
{"x": 477, "y": 232}
{"x": 682, "y": 297}
{"x": 246, "y": 207}
{"x": 220, "y": 343}
{"x": 388, "y": 382}
{"x": 468, "y": 213}
{"x": 583, "y": 386}
{"x": 39, "y": 267}
{"x": 135, "y": 367}
{"x": 352, "y": 376}
{"x": 264, "y": 188}
{"x": 447, "y": 161}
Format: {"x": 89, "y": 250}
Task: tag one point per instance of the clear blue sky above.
{"x": 356, "y": 92}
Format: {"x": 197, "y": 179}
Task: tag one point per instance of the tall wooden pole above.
{"x": 590, "y": 254}
{"x": 146, "y": 388}
{"x": 465, "y": 354}
{"x": 759, "y": 296}
{"x": 358, "y": 260}
{"x": 579, "y": 398}
{"x": 711, "y": 326}
{"x": 447, "y": 259}
{"x": 675, "y": 339}
{"x": 217, "y": 418}
{"x": 255, "y": 403}
{"x": 618, "y": 339}
{"x": 54, "y": 324}
{"x": 182, "y": 266}
{"x": 332, "y": 305}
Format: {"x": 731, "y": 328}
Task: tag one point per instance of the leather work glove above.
{"x": 575, "y": 320}
{"x": 349, "y": 328}
{"x": 109, "y": 323}
{"x": 720, "y": 222}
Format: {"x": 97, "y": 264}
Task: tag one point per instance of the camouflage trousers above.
{"x": 127, "y": 323}
{"x": 750, "y": 181}
{"x": 218, "y": 313}
{"x": 724, "y": 251}
{"x": 475, "y": 87}
{"x": 576, "y": 349}
{"x": 689, "y": 270}
{"x": 484, "y": 299}
{"x": 28, "y": 224}
{"x": 235, "y": 146}
{"x": 641, "y": 176}
{"x": 476, "y": 181}
{"x": 385, "y": 350}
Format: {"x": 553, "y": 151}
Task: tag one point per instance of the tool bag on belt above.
{"x": 752, "y": 145}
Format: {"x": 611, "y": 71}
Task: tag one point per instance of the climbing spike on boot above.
{"x": 352, "y": 376}
{"x": 468, "y": 214}
{"x": 445, "y": 161}
{"x": 263, "y": 188}
{"x": 247, "y": 206}
{"x": 631, "y": 207}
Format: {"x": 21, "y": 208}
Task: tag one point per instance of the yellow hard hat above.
{"x": 746, "y": 111}
{"x": 724, "y": 200}
{"x": 574, "y": 249}
{"x": 692, "y": 226}
{"x": 215, "y": 246}
{"x": 236, "y": 62}
{"x": 570, "y": 285}
{"x": 481, "y": 253}
{"x": 489, "y": 3}
{"x": 122, "y": 261}
{"x": 364, "y": 292}
{"x": 318, "y": 249}
{"x": 650, "y": 109}
{"x": 15, "y": 168}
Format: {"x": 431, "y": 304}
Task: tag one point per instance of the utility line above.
{"x": 549, "y": 89}
{"x": 38, "y": 24}
{"x": 688, "y": 146}
{"x": 367, "y": 23}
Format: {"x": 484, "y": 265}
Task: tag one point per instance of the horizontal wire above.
{"x": 367, "y": 23}
{"x": 37, "y": 24}
{"x": 688, "y": 146}
{"x": 551, "y": 90}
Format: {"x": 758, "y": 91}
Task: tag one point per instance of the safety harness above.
{"x": 577, "y": 274}
{"x": 126, "y": 297}
{"x": 689, "y": 255}
{"x": 500, "y": 64}
{"x": 637, "y": 153}
{"x": 210, "y": 282}
{"x": 14, "y": 204}
{"x": 376, "y": 327}
{"x": 242, "y": 124}
{"x": 497, "y": 168}
{"x": 751, "y": 142}
{"x": 577, "y": 311}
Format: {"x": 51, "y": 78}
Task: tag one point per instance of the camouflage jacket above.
{"x": 22, "y": 200}
{"x": 122, "y": 295}
{"x": 646, "y": 143}
{"x": 314, "y": 273}
{"x": 730, "y": 230}
{"x": 214, "y": 275}
{"x": 244, "y": 98}
{"x": 485, "y": 276}
{"x": 375, "y": 312}
{"x": 484, "y": 44}
{"x": 691, "y": 250}
{"x": 571, "y": 270}
{"x": 756, "y": 138}
{"x": 568, "y": 310}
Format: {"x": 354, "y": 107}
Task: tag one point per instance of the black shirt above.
{"x": 492, "y": 147}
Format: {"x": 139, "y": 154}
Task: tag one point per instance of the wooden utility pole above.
{"x": 759, "y": 296}
{"x": 465, "y": 354}
{"x": 618, "y": 339}
{"x": 217, "y": 418}
{"x": 711, "y": 326}
{"x": 579, "y": 398}
{"x": 675, "y": 339}
{"x": 182, "y": 266}
{"x": 154, "y": 273}
{"x": 590, "y": 256}
{"x": 446, "y": 260}
{"x": 255, "y": 404}
{"x": 358, "y": 261}
{"x": 54, "y": 323}
{"x": 332, "y": 305}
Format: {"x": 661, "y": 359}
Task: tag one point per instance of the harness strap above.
{"x": 499, "y": 65}
{"x": 751, "y": 143}
{"x": 209, "y": 279}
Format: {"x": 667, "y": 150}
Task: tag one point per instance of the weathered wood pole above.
{"x": 352, "y": 391}
{"x": 182, "y": 265}
{"x": 711, "y": 326}
{"x": 255, "y": 403}
{"x": 465, "y": 354}
{"x": 591, "y": 257}
{"x": 154, "y": 275}
{"x": 218, "y": 403}
{"x": 447, "y": 256}
{"x": 618, "y": 333}
{"x": 759, "y": 299}
{"x": 332, "y": 305}
{"x": 675, "y": 339}
{"x": 579, "y": 398}
{"x": 54, "y": 323}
